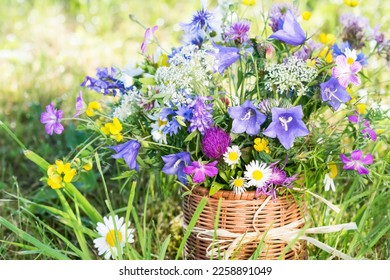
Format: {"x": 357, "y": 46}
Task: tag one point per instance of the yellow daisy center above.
{"x": 111, "y": 237}
{"x": 350, "y": 60}
{"x": 238, "y": 183}
{"x": 233, "y": 156}
{"x": 257, "y": 175}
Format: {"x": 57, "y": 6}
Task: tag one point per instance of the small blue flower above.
{"x": 286, "y": 125}
{"x": 105, "y": 83}
{"x": 174, "y": 164}
{"x": 128, "y": 151}
{"x": 333, "y": 93}
{"x": 289, "y": 31}
{"x": 224, "y": 57}
{"x": 246, "y": 118}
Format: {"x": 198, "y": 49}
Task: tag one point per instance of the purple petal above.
{"x": 58, "y": 128}
{"x": 189, "y": 169}
{"x": 368, "y": 159}
{"x": 356, "y": 67}
{"x": 344, "y": 159}
{"x": 362, "y": 170}
{"x": 49, "y": 127}
{"x": 356, "y": 155}
{"x": 199, "y": 176}
{"x": 353, "y": 119}
{"x": 236, "y": 112}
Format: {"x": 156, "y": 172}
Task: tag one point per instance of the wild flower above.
{"x": 128, "y": 151}
{"x": 246, "y": 118}
{"x": 357, "y": 162}
{"x": 215, "y": 142}
{"x": 52, "y": 120}
{"x": 201, "y": 170}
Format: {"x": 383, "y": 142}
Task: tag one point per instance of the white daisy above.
{"x": 232, "y": 155}
{"x": 329, "y": 183}
{"x": 239, "y": 185}
{"x": 257, "y": 174}
{"x": 351, "y": 55}
{"x": 110, "y": 232}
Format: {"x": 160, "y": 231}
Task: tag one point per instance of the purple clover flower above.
{"x": 105, "y": 83}
{"x": 215, "y": 142}
{"x": 357, "y": 162}
{"x": 333, "y": 93}
{"x": 202, "y": 117}
{"x": 224, "y": 57}
{"x": 80, "y": 105}
{"x": 128, "y": 151}
{"x": 52, "y": 120}
{"x": 238, "y": 32}
{"x": 289, "y": 31}
{"x": 286, "y": 125}
{"x": 175, "y": 163}
{"x": 148, "y": 38}
{"x": 200, "y": 171}
{"x": 246, "y": 118}
{"x": 345, "y": 72}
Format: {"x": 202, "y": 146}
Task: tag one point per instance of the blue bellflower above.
{"x": 174, "y": 164}
{"x": 333, "y": 93}
{"x": 286, "y": 125}
{"x": 289, "y": 31}
{"x": 246, "y": 118}
{"x": 128, "y": 151}
{"x": 105, "y": 83}
{"x": 224, "y": 57}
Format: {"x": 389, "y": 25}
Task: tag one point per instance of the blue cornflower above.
{"x": 238, "y": 32}
{"x": 128, "y": 151}
{"x": 105, "y": 83}
{"x": 174, "y": 164}
{"x": 246, "y": 118}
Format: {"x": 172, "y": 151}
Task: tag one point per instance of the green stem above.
{"x": 10, "y": 133}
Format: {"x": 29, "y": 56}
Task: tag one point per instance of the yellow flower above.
{"x": 361, "y": 108}
{"x": 351, "y": 3}
{"x": 261, "y": 145}
{"x": 306, "y": 15}
{"x": 69, "y": 174}
{"x": 332, "y": 170}
{"x": 55, "y": 172}
{"x": 163, "y": 60}
{"x": 326, "y": 54}
{"x": 92, "y": 107}
{"x": 249, "y": 2}
{"x": 113, "y": 129}
{"x": 88, "y": 165}
{"x": 311, "y": 62}
{"x": 327, "y": 39}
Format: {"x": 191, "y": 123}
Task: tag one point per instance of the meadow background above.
{"x": 47, "y": 47}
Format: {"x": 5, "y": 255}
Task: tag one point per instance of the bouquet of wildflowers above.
{"x": 240, "y": 105}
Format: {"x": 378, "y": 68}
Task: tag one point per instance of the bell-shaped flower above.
{"x": 246, "y": 118}
{"x": 289, "y": 31}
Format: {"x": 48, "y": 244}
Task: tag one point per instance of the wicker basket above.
{"x": 240, "y": 216}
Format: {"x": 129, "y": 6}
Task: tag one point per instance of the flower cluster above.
{"x": 231, "y": 109}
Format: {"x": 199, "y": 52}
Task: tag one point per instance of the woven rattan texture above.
{"x": 237, "y": 216}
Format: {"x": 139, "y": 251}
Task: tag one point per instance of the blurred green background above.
{"x": 47, "y": 47}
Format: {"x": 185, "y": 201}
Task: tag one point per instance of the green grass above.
{"x": 48, "y": 48}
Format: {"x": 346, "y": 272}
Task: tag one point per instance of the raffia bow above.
{"x": 226, "y": 242}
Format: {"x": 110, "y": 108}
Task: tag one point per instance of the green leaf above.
{"x": 215, "y": 187}
{"x": 191, "y": 136}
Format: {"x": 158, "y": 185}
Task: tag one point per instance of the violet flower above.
{"x": 128, "y": 151}
{"x": 80, "y": 105}
{"x": 289, "y": 31}
{"x": 224, "y": 57}
{"x": 286, "y": 125}
{"x": 238, "y": 32}
{"x": 345, "y": 72}
{"x": 52, "y": 120}
{"x": 200, "y": 170}
{"x": 246, "y": 118}
{"x": 175, "y": 163}
{"x": 357, "y": 162}
{"x": 202, "y": 117}
{"x": 105, "y": 83}
{"x": 333, "y": 93}
{"x": 148, "y": 38}
{"x": 215, "y": 142}
{"x": 368, "y": 131}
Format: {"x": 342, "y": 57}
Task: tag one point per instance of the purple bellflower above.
{"x": 333, "y": 93}
{"x": 52, "y": 120}
{"x": 215, "y": 142}
{"x": 286, "y": 125}
{"x": 175, "y": 163}
{"x": 289, "y": 31}
{"x": 128, "y": 151}
{"x": 148, "y": 38}
{"x": 224, "y": 57}
{"x": 246, "y": 118}
{"x": 357, "y": 162}
{"x": 200, "y": 171}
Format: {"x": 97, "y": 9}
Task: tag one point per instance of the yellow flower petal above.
{"x": 361, "y": 108}
{"x": 69, "y": 175}
{"x": 88, "y": 166}
{"x": 248, "y": 2}
{"x": 306, "y": 15}
{"x": 333, "y": 170}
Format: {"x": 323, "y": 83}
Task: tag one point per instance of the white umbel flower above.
{"x": 329, "y": 183}
{"x": 257, "y": 173}
{"x": 111, "y": 231}
{"x": 232, "y": 155}
{"x": 239, "y": 185}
